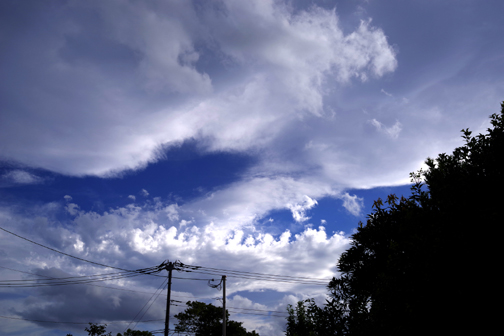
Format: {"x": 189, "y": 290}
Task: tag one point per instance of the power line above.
{"x": 64, "y": 283}
{"x": 246, "y": 313}
{"x": 134, "y": 318}
{"x": 41, "y": 321}
{"x": 66, "y": 254}
{"x": 130, "y": 273}
{"x": 66, "y": 322}
{"x": 263, "y": 278}
{"x": 146, "y": 310}
{"x": 253, "y": 275}
{"x": 202, "y": 269}
{"x": 272, "y": 314}
{"x": 135, "y": 291}
{"x": 260, "y": 310}
{"x": 87, "y": 284}
{"x": 74, "y": 277}
{"x": 51, "y": 281}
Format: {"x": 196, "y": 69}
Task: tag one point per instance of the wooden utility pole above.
{"x": 224, "y": 305}
{"x": 169, "y": 268}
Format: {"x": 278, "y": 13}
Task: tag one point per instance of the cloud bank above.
{"x": 144, "y": 235}
{"x": 133, "y": 53}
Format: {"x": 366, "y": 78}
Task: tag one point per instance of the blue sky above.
{"x": 250, "y": 136}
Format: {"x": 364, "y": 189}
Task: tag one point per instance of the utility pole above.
{"x": 218, "y": 286}
{"x": 169, "y": 268}
{"x": 224, "y": 305}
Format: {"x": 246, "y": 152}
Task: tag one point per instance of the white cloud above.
{"x": 21, "y": 177}
{"x": 353, "y": 204}
{"x": 300, "y": 51}
{"x": 72, "y": 209}
{"x": 140, "y": 236}
{"x": 172, "y": 211}
{"x": 392, "y": 131}
{"x": 282, "y": 60}
{"x": 299, "y": 210}
{"x": 164, "y": 42}
{"x": 144, "y": 193}
{"x": 242, "y": 203}
{"x": 386, "y": 93}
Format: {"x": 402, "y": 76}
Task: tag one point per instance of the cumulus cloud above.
{"x": 301, "y": 50}
{"x": 72, "y": 209}
{"x": 140, "y": 236}
{"x": 172, "y": 211}
{"x": 241, "y": 204}
{"x": 299, "y": 210}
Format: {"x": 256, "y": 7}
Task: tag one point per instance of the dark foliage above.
{"x": 95, "y": 329}
{"x": 420, "y": 266}
{"x": 206, "y": 320}
{"x": 130, "y": 332}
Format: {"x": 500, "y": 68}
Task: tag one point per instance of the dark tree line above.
{"x": 203, "y": 319}
{"x": 425, "y": 264}
{"x": 96, "y": 329}
{"x": 199, "y": 319}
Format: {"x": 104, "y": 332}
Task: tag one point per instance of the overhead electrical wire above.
{"x": 252, "y": 275}
{"x": 146, "y": 310}
{"x": 86, "y": 279}
{"x": 130, "y": 273}
{"x": 66, "y": 322}
{"x": 113, "y": 322}
{"x": 153, "y": 294}
{"x": 259, "y": 310}
{"x": 125, "y": 273}
{"x": 270, "y": 279}
{"x": 68, "y": 255}
{"x": 201, "y": 269}
{"x": 88, "y": 284}
{"x": 237, "y": 308}
{"x": 40, "y": 321}
{"x": 61, "y": 282}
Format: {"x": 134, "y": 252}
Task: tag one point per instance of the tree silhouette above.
{"x": 96, "y": 329}
{"x": 417, "y": 267}
{"x": 206, "y": 320}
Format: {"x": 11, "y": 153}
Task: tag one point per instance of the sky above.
{"x": 240, "y": 136}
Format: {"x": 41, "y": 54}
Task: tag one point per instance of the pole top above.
{"x": 169, "y": 266}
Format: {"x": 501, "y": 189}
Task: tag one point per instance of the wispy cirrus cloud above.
{"x": 392, "y": 131}
{"x": 18, "y": 176}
